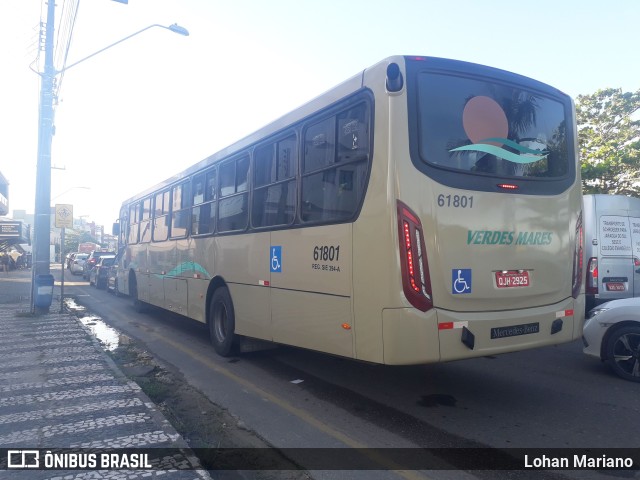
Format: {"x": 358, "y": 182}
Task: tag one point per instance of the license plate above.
{"x": 615, "y": 287}
{"x": 512, "y": 278}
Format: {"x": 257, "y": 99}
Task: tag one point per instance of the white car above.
{"x": 77, "y": 264}
{"x": 612, "y": 333}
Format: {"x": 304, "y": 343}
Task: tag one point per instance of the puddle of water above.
{"x": 72, "y": 306}
{"x": 109, "y": 337}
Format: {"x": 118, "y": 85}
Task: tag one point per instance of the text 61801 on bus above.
{"x": 423, "y": 210}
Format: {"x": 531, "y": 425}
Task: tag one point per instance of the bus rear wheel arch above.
{"x": 222, "y": 323}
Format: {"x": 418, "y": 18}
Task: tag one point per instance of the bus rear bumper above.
{"x": 413, "y": 337}
{"x": 475, "y": 334}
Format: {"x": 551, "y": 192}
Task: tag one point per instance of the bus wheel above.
{"x": 222, "y": 323}
{"x": 115, "y": 288}
{"x": 138, "y": 305}
{"x": 623, "y": 352}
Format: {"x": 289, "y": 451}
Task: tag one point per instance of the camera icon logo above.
{"x": 23, "y": 459}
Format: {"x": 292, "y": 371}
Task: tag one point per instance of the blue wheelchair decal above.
{"x": 276, "y": 259}
{"x": 460, "y": 281}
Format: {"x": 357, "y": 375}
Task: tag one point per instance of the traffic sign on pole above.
{"x": 64, "y": 216}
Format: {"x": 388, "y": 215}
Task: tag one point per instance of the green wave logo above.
{"x": 185, "y": 267}
{"x": 525, "y": 155}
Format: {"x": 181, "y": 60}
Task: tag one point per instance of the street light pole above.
{"x": 42, "y": 220}
{"x": 174, "y": 28}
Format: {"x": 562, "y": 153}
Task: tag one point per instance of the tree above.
{"x": 609, "y": 141}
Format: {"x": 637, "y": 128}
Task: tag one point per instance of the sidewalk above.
{"x": 59, "y": 389}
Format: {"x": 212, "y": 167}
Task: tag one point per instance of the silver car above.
{"x": 77, "y": 264}
{"x": 612, "y": 333}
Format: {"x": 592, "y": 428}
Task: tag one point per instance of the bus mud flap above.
{"x": 468, "y": 338}
{"x": 556, "y": 326}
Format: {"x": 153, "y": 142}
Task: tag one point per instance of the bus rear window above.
{"x": 489, "y": 128}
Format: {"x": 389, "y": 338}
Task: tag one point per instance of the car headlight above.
{"x": 596, "y": 311}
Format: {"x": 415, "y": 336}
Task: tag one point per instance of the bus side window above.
{"x": 203, "y": 212}
{"x": 274, "y": 196}
{"x": 319, "y": 145}
{"x": 145, "y": 222}
{"x": 227, "y": 179}
{"x": 123, "y": 226}
{"x": 180, "y": 210}
{"x": 353, "y": 135}
{"x": 134, "y": 225}
{"x": 335, "y": 190}
{"x": 233, "y": 205}
{"x": 161, "y": 217}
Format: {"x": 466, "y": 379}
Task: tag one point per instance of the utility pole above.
{"x": 42, "y": 220}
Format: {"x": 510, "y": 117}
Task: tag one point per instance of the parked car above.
{"x": 112, "y": 279}
{"x": 112, "y": 274}
{"x": 77, "y": 264}
{"x": 612, "y": 333}
{"x": 98, "y": 274}
{"x": 92, "y": 259}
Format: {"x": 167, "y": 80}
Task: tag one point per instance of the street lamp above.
{"x": 42, "y": 215}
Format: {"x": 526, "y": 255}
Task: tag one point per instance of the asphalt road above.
{"x": 550, "y": 397}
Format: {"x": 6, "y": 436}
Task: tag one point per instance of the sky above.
{"x": 154, "y": 105}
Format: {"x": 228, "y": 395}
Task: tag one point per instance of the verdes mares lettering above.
{"x": 501, "y": 237}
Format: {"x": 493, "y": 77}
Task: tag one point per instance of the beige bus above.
{"x": 424, "y": 210}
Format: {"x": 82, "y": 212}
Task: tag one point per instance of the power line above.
{"x": 65, "y": 37}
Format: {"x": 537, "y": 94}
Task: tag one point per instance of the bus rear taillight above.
{"x": 578, "y": 254}
{"x": 592, "y": 276}
{"x": 416, "y": 282}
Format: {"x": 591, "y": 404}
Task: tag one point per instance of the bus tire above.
{"x": 138, "y": 305}
{"x": 623, "y": 352}
{"x": 222, "y": 323}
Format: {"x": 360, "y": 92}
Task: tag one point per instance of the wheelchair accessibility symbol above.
{"x": 460, "y": 281}
{"x": 276, "y": 259}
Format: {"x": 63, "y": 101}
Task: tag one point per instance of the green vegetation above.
{"x": 609, "y": 141}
